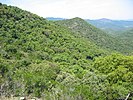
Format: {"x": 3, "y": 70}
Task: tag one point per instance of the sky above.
{"x": 86, "y": 9}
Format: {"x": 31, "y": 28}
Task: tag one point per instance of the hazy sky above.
{"x": 88, "y": 9}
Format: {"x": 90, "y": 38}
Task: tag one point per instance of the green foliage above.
{"x": 97, "y": 36}
{"x": 43, "y": 59}
{"x": 118, "y": 69}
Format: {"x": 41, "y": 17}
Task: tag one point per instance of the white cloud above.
{"x": 92, "y": 9}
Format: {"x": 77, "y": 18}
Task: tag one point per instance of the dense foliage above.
{"x": 127, "y": 37}
{"x": 43, "y": 59}
{"x": 99, "y": 37}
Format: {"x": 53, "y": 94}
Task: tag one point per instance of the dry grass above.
{"x": 17, "y": 98}
{"x": 11, "y": 98}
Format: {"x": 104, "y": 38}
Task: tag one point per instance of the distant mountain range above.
{"x": 111, "y": 25}
{"x": 108, "y": 25}
{"x": 54, "y": 19}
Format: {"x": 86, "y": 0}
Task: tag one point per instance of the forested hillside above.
{"x": 99, "y": 37}
{"x": 43, "y": 59}
{"x": 127, "y": 34}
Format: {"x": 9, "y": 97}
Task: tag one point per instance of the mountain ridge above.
{"x": 99, "y": 37}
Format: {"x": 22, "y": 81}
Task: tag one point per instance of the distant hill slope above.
{"x": 54, "y": 19}
{"x": 102, "y": 39}
{"x": 126, "y": 36}
{"x": 112, "y": 26}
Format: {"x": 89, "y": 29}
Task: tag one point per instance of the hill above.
{"x": 112, "y": 26}
{"x": 127, "y": 37}
{"x": 40, "y": 58}
{"x": 54, "y": 19}
{"x": 99, "y": 37}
